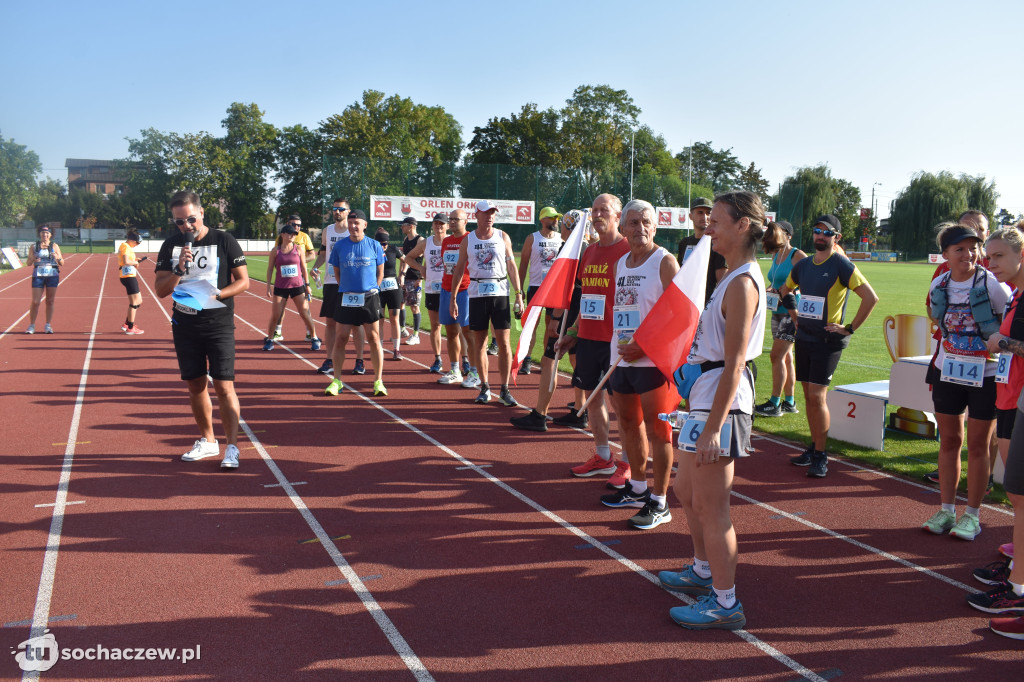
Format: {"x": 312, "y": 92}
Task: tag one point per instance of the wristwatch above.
{"x": 217, "y": 297}
{"x": 849, "y": 328}
{"x": 178, "y": 271}
{"x": 1004, "y": 344}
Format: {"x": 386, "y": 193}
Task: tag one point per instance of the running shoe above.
{"x": 465, "y": 366}
{"x": 124, "y": 327}
{"x": 626, "y": 498}
{"x": 484, "y": 397}
{"x": 472, "y": 380}
{"x": 436, "y": 367}
{"x": 932, "y": 477}
{"x": 571, "y": 420}
{"x": 134, "y": 331}
{"x": 492, "y": 347}
{"x": 268, "y": 344}
{"x": 995, "y": 573}
{"x": 1006, "y": 550}
{"x": 230, "y": 460}
{"x": 650, "y": 516}
{"x": 1008, "y": 627}
{"x": 309, "y": 337}
{"x": 768, "y": 409}
{"x": 413, "y": 340}
{"x": 315, "y": 343}
{"x": 334, "y": 388}
{"x": 788, "y": 407}
{"x": 31, "y": 329}
{"x": 378, "y": 387}
{"x": 708, "y": 614}
{"x": 595, "y": 466}
{"x": 803, "y": 459}
{"x": 405, "y": 332}
{"x": 534, "y": 421}
{"x": 1000, "y": 599}
{"x": 452, "y": 377}
{"x": 327, "y": 367}
{"x": 686, "y": 581}
{"x": 397, "y": 354}
{"x": 360, "y": 368}
{"x": 940, "y": 523}
{"x": 525, "y": 367}
{"x": 621, "y": 475}
{"x": 200, "y": 450}
{"x": 47, "y": 329}
{"x": 967, "y": 527}
{"x": 819, "y": 465}
{"x": 278, "y": 336}
{"x": 505, "y": 398}
{"x": 991, "y": 484}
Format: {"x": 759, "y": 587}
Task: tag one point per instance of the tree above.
{"x": 248, "y": 153}
{"x": 934, "y": 198}
{"x": 597, "y": 123}
{"x": 824, "y": 194}
{"x": 718, "y": 169}
{"x": 18, "y": 168}
{"x": 300, "y": 171}
{"x": 1004, "y": 218}
{"x": 751, "y": 179}
{"x": 531, "y": 138}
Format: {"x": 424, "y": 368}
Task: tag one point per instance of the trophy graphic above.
{"x": 908, "y": 336}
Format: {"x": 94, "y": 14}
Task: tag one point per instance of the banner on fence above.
{"x": 423, "y": 209}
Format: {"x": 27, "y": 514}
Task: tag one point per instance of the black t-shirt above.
{"x": 412, "y": 274}
{"x": 391, "y": 254}
{"x": 213, "y": 258}
{"x": 716, "y": 263}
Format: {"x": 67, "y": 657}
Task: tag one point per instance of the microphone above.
{"x": 190, "y": 237}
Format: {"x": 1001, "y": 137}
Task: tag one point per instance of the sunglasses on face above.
{"x": 342, "y": 209}
{"x": 191, "y": 220}
{"x": 827, "y": 233}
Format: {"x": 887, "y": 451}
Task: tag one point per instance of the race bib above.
{"x": 490, "y": 287}
{"x": 626, "y": 319}
{"x": 686, "y": 254}
{"x": 388, "y": 284}
{"x": 963, "y": 370}
{"x": 811, "y": 307}
{"x": 1003, "y": 368}
{"x": 290, "y": 270}
{"x": 592, "y": 306}
{"x": 45, "y": 270}
{"x": 771, "y": 301}
{"x": 450, "y": 258}
{"x": 694, "y": 426}
{"x": 433, "y": 287}
{"x": 128, "y": 270}
{"x": 353, "y": 300}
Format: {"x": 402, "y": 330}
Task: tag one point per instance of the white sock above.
{"x": 701, "y": 568}
{"x": 659, "y": 500}
{"x": 1018, "y": 589}
{"x": 604, "y": 452}
{"x": 972, "y": 511}
{"x": 638, "y": 486}
{"x": 395, "y": 342}
{"x": 727, "y": 598}
{"x": 951, "y": 508}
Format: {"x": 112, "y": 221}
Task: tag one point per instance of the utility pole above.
{"x": 632, "y": 146}
{"x": 689, "y": 175}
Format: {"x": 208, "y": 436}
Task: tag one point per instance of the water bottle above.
{"x": 676, "y": 418}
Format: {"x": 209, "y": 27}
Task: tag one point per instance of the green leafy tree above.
{"x": 931, "y": 199}
{"x": 530, "y": 138}
{"x": 821, "y": 193}
{"x": 716, "y": 168}
{"x": 18, "y": 168}
{"x": 597, "y": 123}
{"x": 300, "y": 172}
{"x": 751, "y": 179}
{"x": 247, "y": 152}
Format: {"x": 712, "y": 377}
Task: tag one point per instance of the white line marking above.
{"x": 54, "y": 504}
{"x": 278, "y": 485}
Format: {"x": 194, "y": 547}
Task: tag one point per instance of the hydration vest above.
{"x": 985, "y": 318}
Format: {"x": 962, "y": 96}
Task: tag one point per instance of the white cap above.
{"x": 485, "y": 205}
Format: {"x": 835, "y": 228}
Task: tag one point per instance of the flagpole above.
{"x": 565, "y": 313}
{"x": 600, "y": 385}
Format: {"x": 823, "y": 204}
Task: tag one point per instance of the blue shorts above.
{"x": 462, "y": 300}
{"x": 41, "y": 282}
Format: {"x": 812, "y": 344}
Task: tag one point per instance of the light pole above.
{"x": 632, "y": 147}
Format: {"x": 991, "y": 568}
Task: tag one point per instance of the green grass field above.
{"x": 901, "y": 288}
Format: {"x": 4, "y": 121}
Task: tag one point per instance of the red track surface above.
{"x": 464, "y": 550}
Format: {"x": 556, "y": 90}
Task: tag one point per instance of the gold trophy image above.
{"x": 908, "y": 336}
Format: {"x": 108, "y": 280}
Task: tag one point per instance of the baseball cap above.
{"x": 955, "y": 235}
{"x": 701, "y": 202}
{"x": 441, "y": 218}
{"x": 548, "y": 212}
{"x": 485, "y": 205}
{"x": 786, "y": 226}
{"x": 409, "y": 221}
{"x": 830, "y": 221}
{"x": 357, "y": 213}
{"x": 295, "y": 216}
{"x": 382, "y": 236}
{"x": 288, "y": 228}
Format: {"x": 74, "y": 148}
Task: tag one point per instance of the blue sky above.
{"x": 877, "y": 90}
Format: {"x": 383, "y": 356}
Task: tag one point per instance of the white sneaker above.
{"x": 472, "y": 379}
{"x": 31, "y": 329}
{"x": 413, "y": 340}
{"x": 452, "y": 377}
{"x": 277, "y": 335}
{"x": 230, "y": 457}
{"x": 201, "y": 450}
{"x": 48, "y": 329}
{"x": 405, "y": 332}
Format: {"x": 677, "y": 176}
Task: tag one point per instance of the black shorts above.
{"x": 1004, "y": 423}
{"x": 290, "y": 292}
{"x": 329, "y": 301}
{"x": 950, "y": 398}
{"x": 635, "y": 379}
{"x": 486, "y": 311}
{"x": 592, "y": 358}
{"x": 815, "y": 363}
{"x": 205, "y": 349}
{"x": 530, "y": 291}
{"x": 1013, "y": 476}
{"x": 549, "y": 348}
{"x": 432, "y": 301}
{"x": 392, "y": 299}
{"x": 131, "y": 284}
{"x": 368, "y": 313}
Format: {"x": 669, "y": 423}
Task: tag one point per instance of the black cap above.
{"x": 701, "y": 202}
{"x": 288, "y": 228}
{"x": 957, "y": 234}
{"x": 295, "y": 216}
{"x": 357, "y": 213}
{"x": 441, "y": 218}
{"x": 382, "y": 236}
{"x": 409, "y": 221}
{"x": 786, "y": 226}
{"x": 831, "y": 221}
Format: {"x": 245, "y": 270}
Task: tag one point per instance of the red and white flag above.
{"x": 554, "y": 292}
{"x": 667, "y": 332}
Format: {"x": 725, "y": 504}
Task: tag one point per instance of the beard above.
{"x": 819, "y": 246}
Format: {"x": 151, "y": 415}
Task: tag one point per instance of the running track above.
{"x": 418, "y": 536}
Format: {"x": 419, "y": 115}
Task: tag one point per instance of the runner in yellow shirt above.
{"x": 128, "y": 271}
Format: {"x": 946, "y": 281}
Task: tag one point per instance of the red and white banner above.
{"x": 11, "y": 256}
{"x": 667, "y": 332}
{"x": 678, "y": 218}
{"x": 423, "y": 208}
{"x": 554, "y": 292}
{"x": 936, "y": 258}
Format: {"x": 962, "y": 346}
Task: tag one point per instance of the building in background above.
{"x": 94, "y": 175}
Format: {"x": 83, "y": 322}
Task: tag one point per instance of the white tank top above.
{"x": 435, "y": 266}
{"x": 709, "y": 344}
{"x": 542, "y": 256}
{"x": 488, "y": 272}
{"x": 329, "y": 238}
{"x": 636, "y": 291}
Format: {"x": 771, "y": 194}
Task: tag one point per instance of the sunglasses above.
{"x": 337, "y": 208}
{"x": 191, "y": 220}
{"x": 827, "y": 233}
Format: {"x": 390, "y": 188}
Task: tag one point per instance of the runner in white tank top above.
{"x": 432, "y": 270}
{"x": 543, "y": 251}
{"x": 488, "y": 271}
{"x": 636, "y": 291}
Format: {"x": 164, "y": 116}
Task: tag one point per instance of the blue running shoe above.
{"x": 436, "y": 367}
{"x": 465, "y": 366}
{"x": 627, "y": 498}
{"x": 686, "y": 581}
{"x": 708, "y": 614}
{"x": 268, "y": 344}
{"x": 360, "y": 368}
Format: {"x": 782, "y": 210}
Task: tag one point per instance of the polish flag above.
{"x": 667, "y": 332}
{"x": 554, "y": 292}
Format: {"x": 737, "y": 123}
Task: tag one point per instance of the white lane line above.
{"x": 41, "y": 304}
{"x": 53, "y": 504}
{"x": 41, "y": 612}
